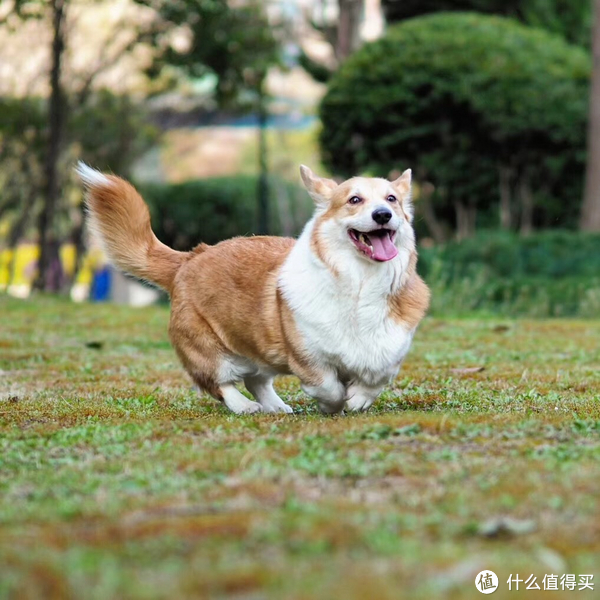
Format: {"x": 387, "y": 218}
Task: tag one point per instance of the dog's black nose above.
{"x": 381, "y": 215}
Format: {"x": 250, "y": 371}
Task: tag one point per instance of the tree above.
{"x": 590, "y": 210}
{"x": 66, "y": 100}
{"x": 235, "y": 44}
{"x": 56, "y": 116}
{"x": 342, "y": 34}
{"x": 463, "y": 99}
{"x": 56, "y": 11}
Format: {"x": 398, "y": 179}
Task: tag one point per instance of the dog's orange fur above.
{"x": 410, "y": 304}
{"x": 120, "y": 217}
{"x": 216, "y": 307}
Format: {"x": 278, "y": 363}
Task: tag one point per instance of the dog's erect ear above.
{"x": 402, "y": 186}
{"x": 319, "y": 188}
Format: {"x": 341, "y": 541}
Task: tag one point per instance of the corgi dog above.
{"x": 338, "y": 307}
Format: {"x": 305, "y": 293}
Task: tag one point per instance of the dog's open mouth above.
{"x": 377, "y": 245}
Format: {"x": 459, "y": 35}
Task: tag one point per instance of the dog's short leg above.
{"x": 361, "y": 397}
{"x": 236, "y": 402}
{"x": 330, "y": 394}
{"x": 261, "y": 387}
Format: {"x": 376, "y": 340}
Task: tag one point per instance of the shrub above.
{"x": 457, "y": 96}
{"x": 555, "y": 273}
{"x": 570, "y": 18}
{"x": 211, "y": 210}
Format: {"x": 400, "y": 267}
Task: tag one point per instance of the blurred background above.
{"x": 209, "y": 106}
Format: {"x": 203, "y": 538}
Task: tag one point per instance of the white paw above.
{"x": 359, "y": 403}
{"x": 280, "y": 407}
{"x": 249, "y": 409}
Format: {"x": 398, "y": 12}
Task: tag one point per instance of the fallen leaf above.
{"x": 502, "y": 527}
{"x": 94, "y": 345}
{"x": 501, "y": 328}
{"x": 467, "y": 370}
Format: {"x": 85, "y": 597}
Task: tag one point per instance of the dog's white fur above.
{"x": 344, "y": 317}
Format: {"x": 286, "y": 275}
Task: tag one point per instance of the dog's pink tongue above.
{"x": 383, "y": 247}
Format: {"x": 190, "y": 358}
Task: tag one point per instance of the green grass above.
{"x": 118, "y": 481}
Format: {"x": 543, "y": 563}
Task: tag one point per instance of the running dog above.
{"x": 338, "y": 307}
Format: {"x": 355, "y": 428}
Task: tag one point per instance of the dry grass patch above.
{"x": 118, "y": 481}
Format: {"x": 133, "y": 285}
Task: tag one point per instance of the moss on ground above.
{"x": 118, "y": 481}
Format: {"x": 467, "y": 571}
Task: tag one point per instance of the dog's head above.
{"x": 370, "y": 217}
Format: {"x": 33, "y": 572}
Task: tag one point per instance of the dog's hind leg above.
{"x": 205, "y": 359}
{"x": 236, "y": 402}
{"x": 261, "y": 387}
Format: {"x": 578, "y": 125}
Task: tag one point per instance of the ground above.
{"x": 118, "y": 481}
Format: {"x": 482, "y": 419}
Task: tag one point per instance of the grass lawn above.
{"x": 118, "y": 481}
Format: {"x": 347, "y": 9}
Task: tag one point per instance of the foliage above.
{"x": 570, "y": 18}
{"x": 457, "y": 96}
{"x": 108, "y": 131}
{"x": 233, "y": 42}
{"x": 554, "y": 273}
{"x": 211, "y": 210}
{"x": 119, "y": 481}
{"x": 112, "y": 131}
{"x": 22, "y": 141}
{"x": 47, "y": 191}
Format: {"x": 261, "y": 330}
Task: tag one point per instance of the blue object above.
{"x": 101, "y": 285}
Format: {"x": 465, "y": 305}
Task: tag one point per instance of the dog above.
{"x": 338, "y": 307}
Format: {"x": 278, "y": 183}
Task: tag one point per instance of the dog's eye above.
{"x": 355, "y": 200}
{"x": 391, "y": 198}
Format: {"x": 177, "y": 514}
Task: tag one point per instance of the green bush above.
{"x": 555, "y": 273}
{"x": 570, "y": 18}
{"x": 211, "y": 210}
{"x": 456, "y": 96}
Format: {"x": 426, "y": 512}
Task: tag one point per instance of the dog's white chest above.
{"x": 345, "y": 327}
{"x": 356, "y": 336}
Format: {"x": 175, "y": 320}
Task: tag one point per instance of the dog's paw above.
{"x": 280, "y": 407}
{"x": 249, "y": 409}
{"x": 359, "y": 403}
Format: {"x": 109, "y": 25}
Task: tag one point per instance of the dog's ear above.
{"x": 402, "y": 185}
{"x": 319, "y": 188}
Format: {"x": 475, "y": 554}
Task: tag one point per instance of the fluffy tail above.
{"x": 118, "y": 215}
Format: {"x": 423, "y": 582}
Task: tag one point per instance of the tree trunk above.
{"x": 465, "y": 220}
{"x": 348, "y": 33}
{"x": 505, "y": 204}
{"x": 526, "y": 198}
{"x": 78, "y": 241}
{"x": 262, "y": 191}
{"x": 590, "y": 210}
{"x": 427, "y": 210}
{"x": 56, "y": 114}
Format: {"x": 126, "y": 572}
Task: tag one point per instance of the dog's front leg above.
{"x": 361, "y": 396}
{"x": 330, "y": 393}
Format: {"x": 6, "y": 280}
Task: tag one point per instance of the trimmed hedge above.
{"x": 211, "y": 210}
{"x": 555, "y": 273}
